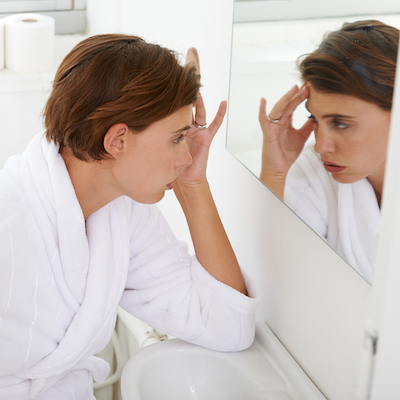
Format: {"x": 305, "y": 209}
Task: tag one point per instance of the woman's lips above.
{"x": 333, "y": 168}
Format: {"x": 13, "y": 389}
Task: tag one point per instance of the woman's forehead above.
{"x": 334, "y": 103}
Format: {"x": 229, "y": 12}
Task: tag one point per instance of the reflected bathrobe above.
{"x": 61, "y": 281}
{"x": 347, "y": 215}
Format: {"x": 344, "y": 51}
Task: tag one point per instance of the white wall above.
{"x": 19, "y": 120}
{"x": 22, "y": 99}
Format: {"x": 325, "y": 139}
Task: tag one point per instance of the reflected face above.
{"x": 155, "y": 158}
{"x": 351, "y": 136}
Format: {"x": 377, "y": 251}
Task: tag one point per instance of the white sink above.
{"x": 177, "y": 370}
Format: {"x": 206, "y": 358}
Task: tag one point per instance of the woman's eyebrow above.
{"x": 186, "y": 128}
{"x": 330, "y": 115}
{"x": 337, "y": 116}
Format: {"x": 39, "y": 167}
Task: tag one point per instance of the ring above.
{"x": 274, "y": 121}
{"x": 199, "y": 126}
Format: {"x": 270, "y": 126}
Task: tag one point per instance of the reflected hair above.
{"x": 110, "y": 79}
{"x": 357, "y": 60}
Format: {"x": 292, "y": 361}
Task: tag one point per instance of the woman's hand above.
{"x": 198, "y": 141}
{"x": 282, "y": 143}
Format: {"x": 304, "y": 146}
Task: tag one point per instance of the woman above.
{"x": 80, "y": 235}
{"x": 336, "y": 187}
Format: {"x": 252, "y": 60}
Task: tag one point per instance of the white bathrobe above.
{"x": 346, "y": 215}
{"x": 61, "y": 281}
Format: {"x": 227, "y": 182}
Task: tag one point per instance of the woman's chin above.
{"x": 156, "y": 198}
{"x": 346, "y": 178}
{"x": 160, "y": 197}
{"x": 150, "y": 199}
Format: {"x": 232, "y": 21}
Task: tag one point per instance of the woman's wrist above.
{"x": 275, "y": 182}
{"x": 183, "y": 188}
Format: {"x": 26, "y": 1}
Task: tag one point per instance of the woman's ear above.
{"x": 115, "y": 140}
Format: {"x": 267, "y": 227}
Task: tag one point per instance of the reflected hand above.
{"x": 282, "y": 144}
{"x": 198, "y": 141}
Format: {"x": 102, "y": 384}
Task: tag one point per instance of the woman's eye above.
{"x": 179, "y": 138}
{"x": 340, "y": 125}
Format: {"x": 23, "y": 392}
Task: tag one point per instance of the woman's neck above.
{"x": 377, "y": 184}
{"x": 91, "y": 180}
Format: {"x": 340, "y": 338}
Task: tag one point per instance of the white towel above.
{"x": 347, "y": 216}
{"x": 61, "y": 282}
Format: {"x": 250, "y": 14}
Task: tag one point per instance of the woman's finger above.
{"x": 262, "y": 112}
{"x": 306, "y": 129}
{"x": 192, "y": 56}
{"x": 296, "y": 101}
{"x": 200, "y": 115}
{"x": 279, "y": 108}
{"x": 217, "y": 121}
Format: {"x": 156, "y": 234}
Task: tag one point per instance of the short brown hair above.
{"x": 357, "y": 60}
{"x": 108, "y": 79}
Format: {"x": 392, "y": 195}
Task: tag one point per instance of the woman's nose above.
{"x": 323, "y": 142}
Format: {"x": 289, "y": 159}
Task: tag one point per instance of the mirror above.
{"x": 268, "y": 37}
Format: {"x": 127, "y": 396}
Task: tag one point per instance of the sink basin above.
{"x": 177, "y": 370}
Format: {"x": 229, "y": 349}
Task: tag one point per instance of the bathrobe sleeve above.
{"x": 169, "y": 289}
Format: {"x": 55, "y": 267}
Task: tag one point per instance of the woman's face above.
{"x": 351, "y": 136}
{"x": 154, "y": 158}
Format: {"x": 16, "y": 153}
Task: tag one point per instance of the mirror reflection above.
{"x": 318, "y": 137}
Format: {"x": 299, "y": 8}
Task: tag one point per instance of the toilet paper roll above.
{"x": 29, "y": 42}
